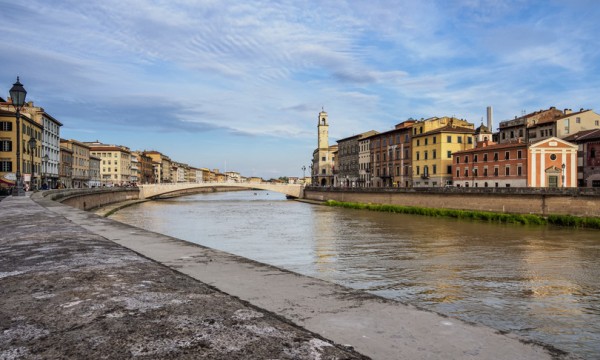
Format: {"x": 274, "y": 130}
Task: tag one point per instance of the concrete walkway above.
{"x": 378, "y": 328}
{"x": 67, "y": 293}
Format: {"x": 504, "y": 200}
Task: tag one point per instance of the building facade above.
{"x": 552, "y": 163}
{"x": 65, "y": 169}
{"x": 364, "y": 162}
{"x": 433, "y": 143}
{"x": 516, "y": 129}
{"x": 588, "y": 157}
{"x": 116, "y": 167}
{"x": 95, "y": 172}
{"x": 390, "y": 156}
{"x": 562, "y": 126}
{"x": 347, "y": 169}
{"x": 30, "y": 158}
{"x": 491, "y": 165}
{"x": 323, "y": 157}
{"x": 80, "y": 168}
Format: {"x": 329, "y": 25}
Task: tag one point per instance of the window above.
{"x": 512, "y": 134}
{"x": 495, "y": 156}
{"x": 434, "y": 169}
{"x": 597, "y": 122}
{"x": 519, "y": 171}
{"x": 507, "y": 171}
{"x": 466, "y": 172}
{"x": 519, "y": 154}
{"x": 593, "y": 153}
{"x": 425, "y": 155}
{"x": 552, "y": 157}
{"x": 506, "y": 155}
{"x": 449, "y": 169}
{"x": 496, "y": 171}
{"x": 7, "y": 126}
{"x": 426, "y": 141}
{"x": 458, "y": 159}
{"x": 5, "y": 165}
{"x": 520, "y": 132}
{"x": 418, "y": 157}
{"x": 485, "y": 173}
{"x": 418, "y": 142}
{"x": 418, "y": 169}
{"x": 449, "y": 154}
{"x": 323, "y": 171}
{"x": 484, "y": 157}
{"x": 466, "y": 159}
{"x": 475, "y": 158}
{"x": 457, "y": 173}
{"x": 459, "y": 139}
{"x": 5, "y": 145}
{"x": 503, "y": 136}
{"x": 434, "y": 154}
{"x": 474, "y": 172}
{"x": 469, "y": 140}
{"x": 434, "y": 139}
{"x": 578, "y": 120}
{"x": 322, "y": 159}
{"x": 449, "y": 139}
{"x": 397, "y": 170}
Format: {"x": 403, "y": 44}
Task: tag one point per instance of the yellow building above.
{"x": 30, "y": 159}
{"x": 80, "y": 170}
{"x": 163, "y": 168}
{"x": 433, "y": 143}
{"x": 116, "y": 166}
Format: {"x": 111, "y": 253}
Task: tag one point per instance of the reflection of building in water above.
{"x": 325, "y": 235}
{"x": 548, "y": 276}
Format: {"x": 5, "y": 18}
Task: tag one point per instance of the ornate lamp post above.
{"x": 17, "y": 96}
{"x": 45, "y": 159}
{"x": 303, "y": 171}
{"x": 564, "y": 178}
{"x": 32, "y": 143}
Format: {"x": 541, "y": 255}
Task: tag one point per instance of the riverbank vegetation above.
{"x": 525, "y": 219}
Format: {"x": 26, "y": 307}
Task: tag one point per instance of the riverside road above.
{"x": 75, "y": 285}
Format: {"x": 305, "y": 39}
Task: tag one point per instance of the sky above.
{"x": 238, "y": 85}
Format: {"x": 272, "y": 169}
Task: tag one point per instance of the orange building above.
{"x": 552, "y": 163}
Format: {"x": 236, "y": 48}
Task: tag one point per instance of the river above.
{"x": 541, "y": 283}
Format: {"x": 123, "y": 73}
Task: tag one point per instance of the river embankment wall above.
{"x": 577, "y": 202}
{"x": 94, "y": 198}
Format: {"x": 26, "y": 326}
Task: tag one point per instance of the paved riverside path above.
{"x": 378, "y": 328}
{"x": 68, "y": 293}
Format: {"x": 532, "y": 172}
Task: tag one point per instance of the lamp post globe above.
{"x": 17, "y": 97}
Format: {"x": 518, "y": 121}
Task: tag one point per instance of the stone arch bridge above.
{"x": 150, "y": 191}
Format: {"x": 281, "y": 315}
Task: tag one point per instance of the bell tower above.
{"x": 323, "y": 130}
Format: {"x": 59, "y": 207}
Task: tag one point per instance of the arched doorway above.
{"x": 323, "y": 182}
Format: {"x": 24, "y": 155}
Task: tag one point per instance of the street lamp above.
{"x": 563, "y": 175}
{"x": 32, "y": 143}
{"x": 46, "y": 158}
{"x": 17, "y": 96}
{"x": 303, "y": 171}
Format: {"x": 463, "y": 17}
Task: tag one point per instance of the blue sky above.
{"x": 237, "y": 85}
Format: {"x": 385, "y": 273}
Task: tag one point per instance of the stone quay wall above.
{"x": 578, "y": 202}
{"x": 88, "y": 199}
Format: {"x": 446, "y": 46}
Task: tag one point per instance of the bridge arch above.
{"x": 149, "y": 191}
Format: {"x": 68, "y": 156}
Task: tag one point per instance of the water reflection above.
{"x": 538, "y": 282}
